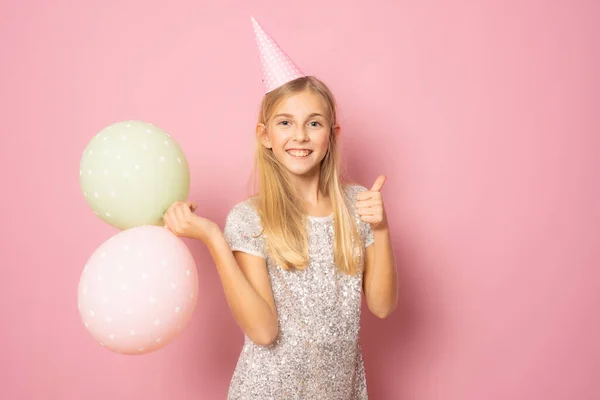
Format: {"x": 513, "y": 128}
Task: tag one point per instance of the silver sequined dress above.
{"x": 317, "y": 354}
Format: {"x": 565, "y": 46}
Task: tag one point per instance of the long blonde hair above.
{"x": 282, "y": 215}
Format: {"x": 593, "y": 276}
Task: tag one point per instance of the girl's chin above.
{"x": 301, "y": 172}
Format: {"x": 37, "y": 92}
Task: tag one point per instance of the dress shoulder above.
{"x": 243, "y": 229}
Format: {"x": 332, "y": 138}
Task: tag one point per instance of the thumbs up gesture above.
{"x": 369, "y": 205}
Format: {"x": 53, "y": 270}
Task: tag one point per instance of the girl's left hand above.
{"x": 369, "y": 205}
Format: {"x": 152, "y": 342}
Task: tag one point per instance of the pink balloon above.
{"x": 138, "y": 290}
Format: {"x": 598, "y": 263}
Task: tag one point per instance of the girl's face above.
{"x": 298, "y": 133}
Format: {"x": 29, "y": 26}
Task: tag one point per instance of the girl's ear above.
{"x": 261, "y": 134}
{"x": 336, "y": 130}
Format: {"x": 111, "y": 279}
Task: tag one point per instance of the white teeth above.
{"x": 299, "y": 153}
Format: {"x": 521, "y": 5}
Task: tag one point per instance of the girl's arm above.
{"x": 248, "y": 290}
{"x": 244, "y": 277}
{"x": 379, "y": 280}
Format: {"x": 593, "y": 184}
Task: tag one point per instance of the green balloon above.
{"x": 131, "y": 172}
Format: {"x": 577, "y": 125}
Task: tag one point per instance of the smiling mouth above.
{"x": 299, "y": 153}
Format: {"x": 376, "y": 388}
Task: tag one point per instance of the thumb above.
{"x": 378, "y": 183}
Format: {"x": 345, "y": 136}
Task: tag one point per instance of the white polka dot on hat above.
{"x": 277, "y": 67}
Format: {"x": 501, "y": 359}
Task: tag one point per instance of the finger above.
{"x": 186, "y": 212}
{"x": 192, "y": 206}
{"x": 370, "y": 219}
{"x": 167, "y": 220}
{"x": 378, "y": 183}
{"x": 179, "y": 212}
{"x": 366, "y": 195}
{"x": 369, "y": 211}
{"x": 172, "y": 219}
{"x": 367, "y": 203}
{"x": 363, "y": 212}
{"x": 170, "y": 209}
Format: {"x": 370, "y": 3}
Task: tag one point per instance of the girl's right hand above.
{"x": 182, "y": 221}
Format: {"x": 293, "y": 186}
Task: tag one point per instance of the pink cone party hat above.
{"x": 277, "y": 67}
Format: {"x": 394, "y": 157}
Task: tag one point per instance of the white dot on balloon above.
{"x": 86, "y": 324}
{"x": 96, "y": 194}
{"x": 125, "y": 174}
{"x": 128, "y": 125}
{"x": 103, "y": 254}
{"x": 84, "y": 290}
{"x": 137, "y": 166}
{"x": 132, "y": 332}
{"x": 151, "y": 300}
{"x": 99, "y": 277}
{"x": 188, "y": 272}
{"x": 129, "y": 311}
{"x": 126, "y": 247}
{"x": 118, "y": 157}
{"x": 158, "y": 340}
{"x": 108, "y": 319}
{"x": 113, "y": 193}
{"x": 89, "y": 171}
{"x": 161, "y": 158}
{"x": 92, "y": 313}
{"x": 123, "y": 287}
{"x": 101, "y": 344}
{"x": 177, "y": 309}
{"x": 105, "y": 171}
{"x": 156, "y": 322}
{"x": 120, "y": 267}
{"x": 105, "y": 137}
{"x": 164, "y": 261}
{"x": 90, "y": 152}
{"x": 141, "y": 349}
{"x": 84, "y": 194}
{"x": 79, "y": 172}
{"x": 144, "y": 146}
{"x": 179, "y": 160}
{"x": 111, "y": 336}
{"x": 105, "y": 299}
{"x": 145, "y": 276}
{"x": 173, "y": 285}
{"x": 166, "y": 142}
{"x": 108, "y": 214}
{"x": 148, "y": 130}
{"x": 96, "y": 212}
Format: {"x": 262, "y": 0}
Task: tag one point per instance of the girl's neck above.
{"x": 308, "y": 192}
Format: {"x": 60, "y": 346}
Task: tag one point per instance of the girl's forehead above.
{"x": 305, "y": 102}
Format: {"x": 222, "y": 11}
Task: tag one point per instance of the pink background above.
{"x": 481, "y": 113}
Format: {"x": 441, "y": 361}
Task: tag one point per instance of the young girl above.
{"x": 295, "y": 258}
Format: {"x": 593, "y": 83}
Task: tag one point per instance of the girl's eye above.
{"x": 315, "y": 122}
{"x": 285, "y": 123}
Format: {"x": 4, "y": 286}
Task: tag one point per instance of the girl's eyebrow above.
{"x": 291, "y": 116}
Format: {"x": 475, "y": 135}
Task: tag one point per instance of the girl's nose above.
{"x": 300, "y": 135}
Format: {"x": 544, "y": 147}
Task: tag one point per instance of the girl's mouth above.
{"x": 299, "y": 153}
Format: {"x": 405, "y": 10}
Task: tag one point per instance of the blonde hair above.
{"x": 282, "y": 215}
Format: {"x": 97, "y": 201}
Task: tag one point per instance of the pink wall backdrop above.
{"x": 481, "y": 113}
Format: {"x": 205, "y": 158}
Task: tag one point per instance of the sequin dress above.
{"x": 317, "y": 354}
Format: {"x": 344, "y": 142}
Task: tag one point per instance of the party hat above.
{"x": 277, "y": 67}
